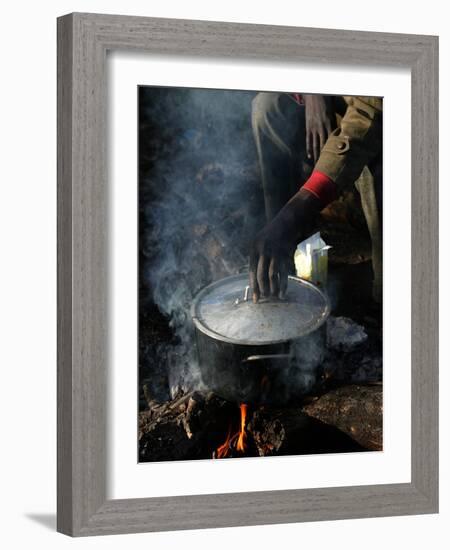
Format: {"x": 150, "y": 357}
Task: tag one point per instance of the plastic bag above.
{"x": 311, "y": 260}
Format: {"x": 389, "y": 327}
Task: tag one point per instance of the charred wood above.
{"x": 355, "y": 410}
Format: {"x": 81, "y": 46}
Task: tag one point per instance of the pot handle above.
{"x": 271, "y": 356}
{"x": 244, "y": 298}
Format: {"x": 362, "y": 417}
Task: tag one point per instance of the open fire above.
{"x": 236, "y": 441}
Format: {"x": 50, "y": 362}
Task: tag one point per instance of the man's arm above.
{"x": 346, "y": 152}
{"x": 355, "y": 143}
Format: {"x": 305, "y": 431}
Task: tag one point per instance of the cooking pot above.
{"x": 266, "y": 352}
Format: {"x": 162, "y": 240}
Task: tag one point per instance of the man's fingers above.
{"x": 309, "y": 151}
{"x": 322, "y": 141}
{"x": 262, "y": 275}
{"x": 271, "y": 277}
{"x": 274, "y": 268}
{"x": 283, "y": 274}
{"x": 316, "y": 147}
{"x": 253, "y": 266}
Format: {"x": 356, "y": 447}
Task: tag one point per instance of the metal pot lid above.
{"x": 224, "y": 310}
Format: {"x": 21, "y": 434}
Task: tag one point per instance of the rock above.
{"x": 345, "y": 335}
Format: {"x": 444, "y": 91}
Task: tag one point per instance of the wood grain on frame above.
{"x": 83, "y": 40}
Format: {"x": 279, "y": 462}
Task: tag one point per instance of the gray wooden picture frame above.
{"x": 83, "y": 41}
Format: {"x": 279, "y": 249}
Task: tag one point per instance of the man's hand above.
{"x": 273, "y": 249}
{"x": 270, "y": 255}
{"x": 318, "y": 124}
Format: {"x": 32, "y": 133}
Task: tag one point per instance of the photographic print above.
{"x": 260, "y": 274}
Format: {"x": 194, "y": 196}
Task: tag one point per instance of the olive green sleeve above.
{"x": 355, "y": 142}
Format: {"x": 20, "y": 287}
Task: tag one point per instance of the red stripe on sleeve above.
{"x": 298, "y": 98}
{"x": 321, "y": 186}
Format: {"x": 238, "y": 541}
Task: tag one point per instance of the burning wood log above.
{"x": 236, "y": 443}
{"x": 291, "y": 432}
{"x": 355, "y": 410}
{"x": 186, "y": 428}
{"x": 202, "y": 425}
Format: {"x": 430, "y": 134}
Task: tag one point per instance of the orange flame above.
{"x": 237, "y": 440}
{"x": 223, "y": 450}
{"x": 240, "y": 446}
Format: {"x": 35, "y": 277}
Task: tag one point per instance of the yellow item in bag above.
{"x": 311, "y": 260}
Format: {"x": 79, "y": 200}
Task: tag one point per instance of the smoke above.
{"x": 200, "y": 203}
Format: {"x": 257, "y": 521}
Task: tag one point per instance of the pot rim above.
{"x": 245, "y": 342}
